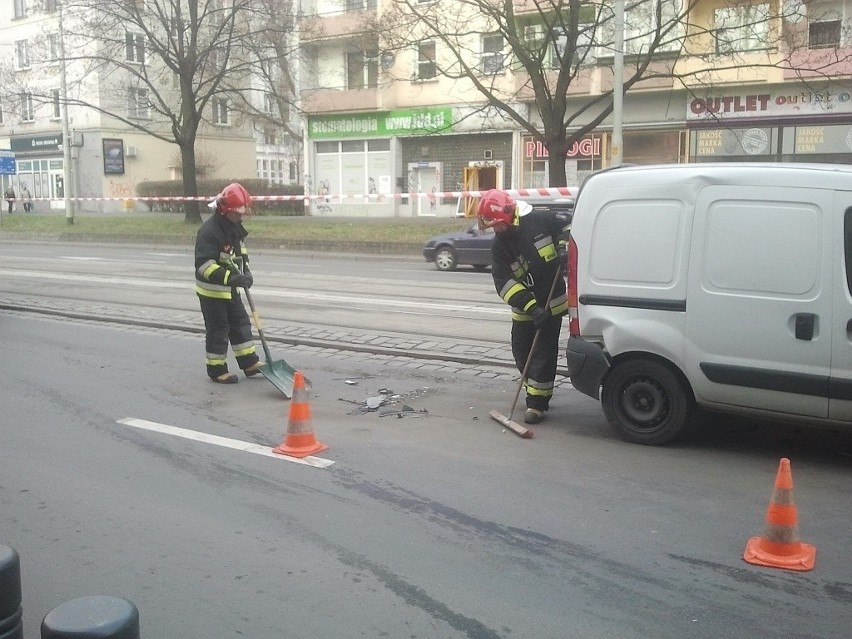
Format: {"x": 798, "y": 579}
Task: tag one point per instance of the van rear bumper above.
{"x": 587, "y": 365}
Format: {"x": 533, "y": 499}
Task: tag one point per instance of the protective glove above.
{"x": 243, "y": 280}
{"x": 540, "y": 316}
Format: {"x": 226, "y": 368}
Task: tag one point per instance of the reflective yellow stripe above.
{"x": 511, "y": 287}
{"x": 214, "y": 361}
{"x": 248, "y": 350}
{"x": 207, "y": 268}
{"x": 213, "y": 290}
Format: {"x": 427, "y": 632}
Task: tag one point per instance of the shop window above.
{"x": 824, "y": 35}
{"x": 492, "y": 60}
{"x": 741, "y": 28}
{"x": 426, "y": 68}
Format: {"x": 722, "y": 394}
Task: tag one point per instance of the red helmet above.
{"x": 234, "y": 199}
{"x": 496, "y": 206}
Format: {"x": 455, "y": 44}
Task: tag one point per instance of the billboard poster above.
{"x": 113, "y": 156}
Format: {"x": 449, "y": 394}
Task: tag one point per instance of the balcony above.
{"x": 819, "y": 63}
{"x": 349, "y": 24}
{"x": 315, "y": 101}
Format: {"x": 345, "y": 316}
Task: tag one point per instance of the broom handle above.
{"x": 259, "y": 328}
{"x": 533, "y": 345}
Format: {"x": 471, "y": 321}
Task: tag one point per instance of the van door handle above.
{"x": 805, "y": 326}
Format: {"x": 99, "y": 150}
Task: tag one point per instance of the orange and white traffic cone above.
{"x": 300, "y": 440}
{"x": 780, "y": 546}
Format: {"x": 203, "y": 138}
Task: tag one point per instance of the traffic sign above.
{"x": 7, "y": 163}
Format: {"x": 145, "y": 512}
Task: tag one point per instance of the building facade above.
{"x": 750, "y": 81}
{"x": 109, "y": 157}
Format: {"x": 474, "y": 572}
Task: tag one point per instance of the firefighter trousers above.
{"x": 226, "y": 321}
{"x": 542, "y": 370}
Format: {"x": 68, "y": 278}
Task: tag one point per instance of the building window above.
{"x": 426, "y": 69}
{"x": 824, "y": 35}
{"x": 360, "y": 5}
{"x": 269, "y": 136}
{"x": 293, "y": 170}
{"x": 50, "y": 6}
{"x": 268, "y": 103}
{"x": 138, "y": 106}
{"x": 22, "y": 54}
{"x": 20, "y": 8}
{"x": 27, "y": 111}
{"x": 53, "y": 47}
{"x": 741, "y": 28}
{"x": 492, "y": 54}
{"x": 362, "y": 70}
{"x": 220, "y": 111}
{"x": 134, "y": 47}
{"x": 643, "y": 19}
{"x": 56, "y": 104}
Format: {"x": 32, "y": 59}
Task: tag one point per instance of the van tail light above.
{"x": 573, "y": 316}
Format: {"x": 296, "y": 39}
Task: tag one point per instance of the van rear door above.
{"x": 840, "y": 389}
{"x": 759, "y": 298}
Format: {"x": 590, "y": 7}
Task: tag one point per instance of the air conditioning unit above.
{"x": 131, "y": 151}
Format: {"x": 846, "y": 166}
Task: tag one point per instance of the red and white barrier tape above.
{"x": 564, "y": 191}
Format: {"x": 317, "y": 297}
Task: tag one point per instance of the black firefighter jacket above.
{"x": 526, "y": 258}
{"x": 218, "y": 246}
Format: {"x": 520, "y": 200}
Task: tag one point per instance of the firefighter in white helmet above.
{"x": 526, "y": 266}
{"x": 221, "y": 269}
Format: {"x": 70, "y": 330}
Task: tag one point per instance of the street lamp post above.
{"x": 617, "y": 155}
{"x": 66, "y": 125}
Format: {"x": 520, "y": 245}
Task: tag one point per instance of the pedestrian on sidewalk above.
{"x": 28, "y": 199}
{"x": 525, "y": 264}
{"x": 221, "y": 269}
{"x": 10, "y": 197}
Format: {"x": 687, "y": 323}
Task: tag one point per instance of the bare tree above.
{"x": 548, "y": 53}
{"x": 163, "y": 66}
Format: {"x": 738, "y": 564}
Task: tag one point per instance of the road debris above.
{"x": 392, "y": 403}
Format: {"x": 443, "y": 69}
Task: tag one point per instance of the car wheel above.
{"x": 445, "y": 258}
{"x": 646, "y": 402}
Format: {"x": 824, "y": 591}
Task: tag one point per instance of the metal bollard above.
{"x": 100, "y": 617}
{"x": 11, "y": 612}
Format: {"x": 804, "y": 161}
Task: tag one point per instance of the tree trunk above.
{"x": 557, "y": 151}
{"x": 190, "y": 184}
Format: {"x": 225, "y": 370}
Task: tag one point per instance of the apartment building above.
{"x": 754, "y": 81}
{"x": 108, "y": 157}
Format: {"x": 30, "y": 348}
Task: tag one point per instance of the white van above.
{"x": 728, "y": 286}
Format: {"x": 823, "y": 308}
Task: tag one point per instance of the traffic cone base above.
{"x": 300, "y": 440}
{"x": 780, "y": 547}
{"x": 761, "y": 552}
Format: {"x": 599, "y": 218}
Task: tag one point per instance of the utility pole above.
{"x": 617, "y": 153}
{"x": 66, "y": 125}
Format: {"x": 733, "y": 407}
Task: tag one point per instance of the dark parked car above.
{"x": 467, "y": 247}
{"x": 472, "y": 247}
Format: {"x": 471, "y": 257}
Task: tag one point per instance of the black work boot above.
{"x": 225, "y": 378}
{"x": 533, "y": 415}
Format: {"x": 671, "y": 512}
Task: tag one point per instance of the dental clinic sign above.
{"x": 738, "y": 106}
{"x": 402, "y": 123}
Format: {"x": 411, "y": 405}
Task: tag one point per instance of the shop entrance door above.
{"x": 478, "y": 177}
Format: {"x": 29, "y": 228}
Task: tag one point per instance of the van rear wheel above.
{"x": 646, "y": 402}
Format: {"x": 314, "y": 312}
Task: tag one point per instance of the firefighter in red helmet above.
{"x": 526, "y": 265}
{"x": 221, "y": 269}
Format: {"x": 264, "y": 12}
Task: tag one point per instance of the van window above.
{"x": 638, "y": 241}
{"x": 763, "y": 247}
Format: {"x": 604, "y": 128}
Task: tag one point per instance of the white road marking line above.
{"x": 316, "y": 462}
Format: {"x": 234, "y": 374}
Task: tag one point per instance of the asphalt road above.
{"x": 432, "y": 520}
